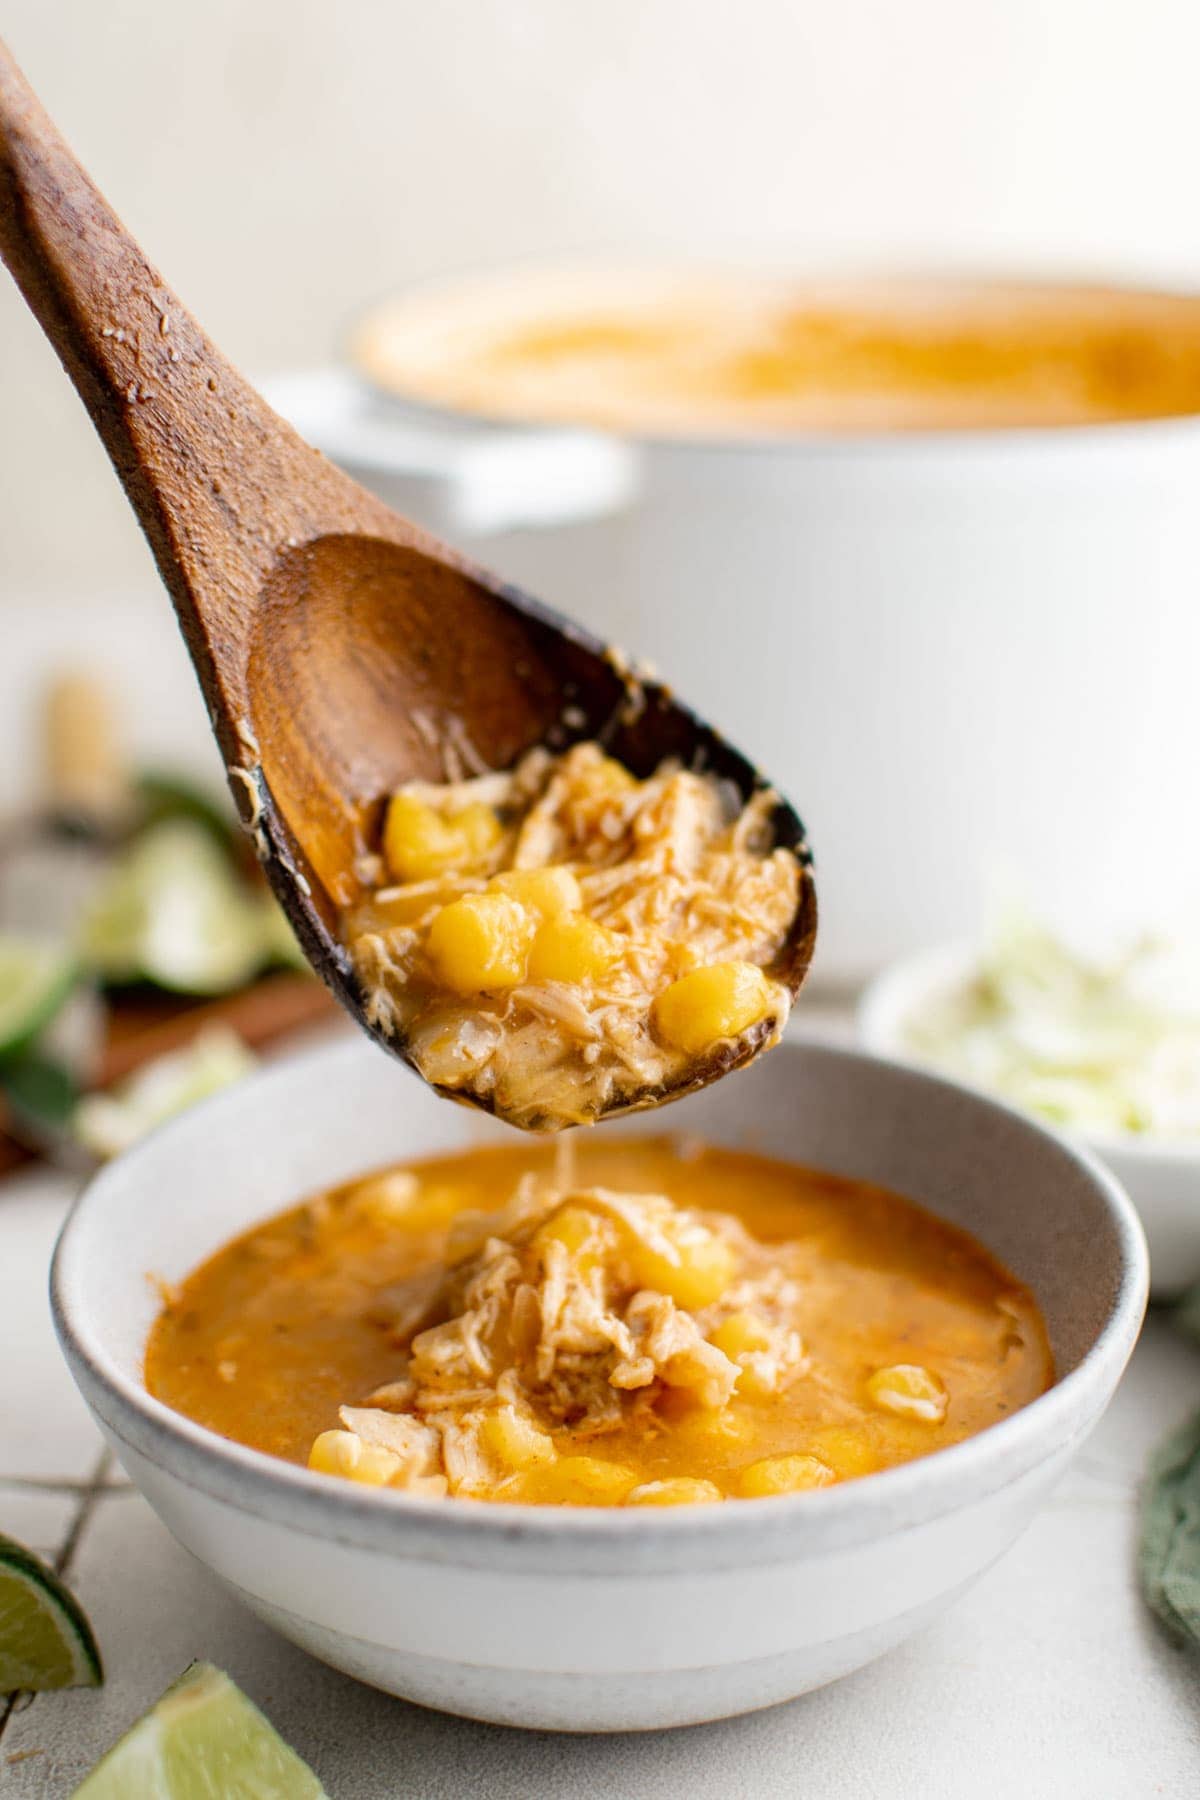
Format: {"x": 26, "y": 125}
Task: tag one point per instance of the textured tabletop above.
{"x": 1047, "y": 1681}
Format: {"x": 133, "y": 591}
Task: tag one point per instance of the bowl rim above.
{"x": 898, "y": 990}
{"x": 582, "y": 1540}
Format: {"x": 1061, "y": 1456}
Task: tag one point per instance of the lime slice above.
{"x": 36, "y": 975}
{"x": 175, "y": 912}
{"x": 45, "y": 1640}
{"x": 106, "y": 1124}
{"x": 204, "y": 1739}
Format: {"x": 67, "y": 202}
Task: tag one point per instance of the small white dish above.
{"x": 1161, "y": 1175}
{"x": 581, "y": 1619}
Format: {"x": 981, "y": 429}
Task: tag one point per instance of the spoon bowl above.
{"x": 342, "y": 651}
{"x": 341, "y": 714}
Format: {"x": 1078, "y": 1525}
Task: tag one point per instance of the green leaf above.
{"x": 1169, "y": 1549}
{"x": 41, "y": 1091}
{"x": 163, "y": 795}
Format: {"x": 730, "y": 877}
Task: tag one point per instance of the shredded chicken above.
{"x": 678, "y": 874}
{"x": 561, "y": 1318}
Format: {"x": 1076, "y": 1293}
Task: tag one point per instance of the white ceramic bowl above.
{"x": 587, "y": 1619}
{"x": 1161, "y": 1176}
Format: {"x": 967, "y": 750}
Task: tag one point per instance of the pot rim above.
{"x": 1102, "y": 437}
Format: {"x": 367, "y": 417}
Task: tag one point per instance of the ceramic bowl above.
{"x": 1160, "y": 1175}
{"x": 581, "y": 1619}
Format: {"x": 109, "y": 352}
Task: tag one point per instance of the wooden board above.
{"x": 143, "y": 1028}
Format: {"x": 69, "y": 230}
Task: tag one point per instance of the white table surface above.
{"x": 1048, "y": 1681}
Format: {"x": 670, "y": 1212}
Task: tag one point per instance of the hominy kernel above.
{"x": 514, "y": 1440}
{"x": 681, "y": 1490}
{"x": 480, "y": 943}
{"x": 703, "y": 1267}
{"x": 586, "y": 1237}
{"x": 420, "y": 842}
{"x": 606, "y": 1481}
{"x": 717, "y": 1002}
{"x": 387, "y": 1198}
{"x": 911, "y": 1391}
{"x": 344, "y": 1453}
{"x": 549, "y": 893}
{"x": 741, "y": 1334}
{"x": 572, "y": 949}
{"x": 847, "y": 1451}
{"x": 784, "y": 1475}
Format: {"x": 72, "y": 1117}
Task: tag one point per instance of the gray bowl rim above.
{"x": 598, "y": 1541}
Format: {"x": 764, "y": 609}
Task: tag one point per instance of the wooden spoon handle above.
{"x": 221, "y": 486}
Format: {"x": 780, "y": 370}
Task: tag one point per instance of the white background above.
{"x": 284, "y": 160}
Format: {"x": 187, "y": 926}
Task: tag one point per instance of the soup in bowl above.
{"x": 532, "y": 1605}
{"x": 653, "y": 1323}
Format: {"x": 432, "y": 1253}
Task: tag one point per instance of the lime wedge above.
{"x": 176, "y": 912}
{"x": 202, "y": 1740}
{"x": 36, "y": 975}
{"x": 106, "y": 1124}
{"x": 45, "y": 1640}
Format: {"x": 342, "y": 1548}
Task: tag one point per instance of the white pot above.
{"x": 949, "y": 651}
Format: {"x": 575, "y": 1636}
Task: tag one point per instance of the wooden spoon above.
{"x": 328, "y": 633}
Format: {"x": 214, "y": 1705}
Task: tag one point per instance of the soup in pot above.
{"x": 740, "y": 355}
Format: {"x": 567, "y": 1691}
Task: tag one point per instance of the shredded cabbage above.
{"x": 1107, "y": 1046}
{"x": 106, "y": 1124}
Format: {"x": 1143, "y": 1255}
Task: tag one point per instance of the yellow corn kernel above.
{"x": 846, "y": 1451}
{"x": 596, "y": 794}
{"x": 420, "y": 843}
{"x": 573, "y": 949}
{"x": 385, "y": 1199}
{"x": 586, "y": 1237}
{"x": 718, "y": 1002}
{"x": 398, "y": 1198}
{"x": 680, "y": 1490}
{"x": 612, "y": 776}
{"x": 479, "y": 943}
{"x": 605, "y": 1482}
{"x": 548, "y": 893}
{"x": 604, "y": 781}
{"x": 343, "y": 1453}
{"x": 705, "y": 1267}
{"x": 741, "y": 1334}
{"x": 784, "y": 1475}
{"x": 911, "y": 1391}
{"x": 711, "y": 1427}
{"x": 515, "y": 1441}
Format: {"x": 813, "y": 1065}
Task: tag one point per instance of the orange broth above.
{"x": 268, "y": 1338}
